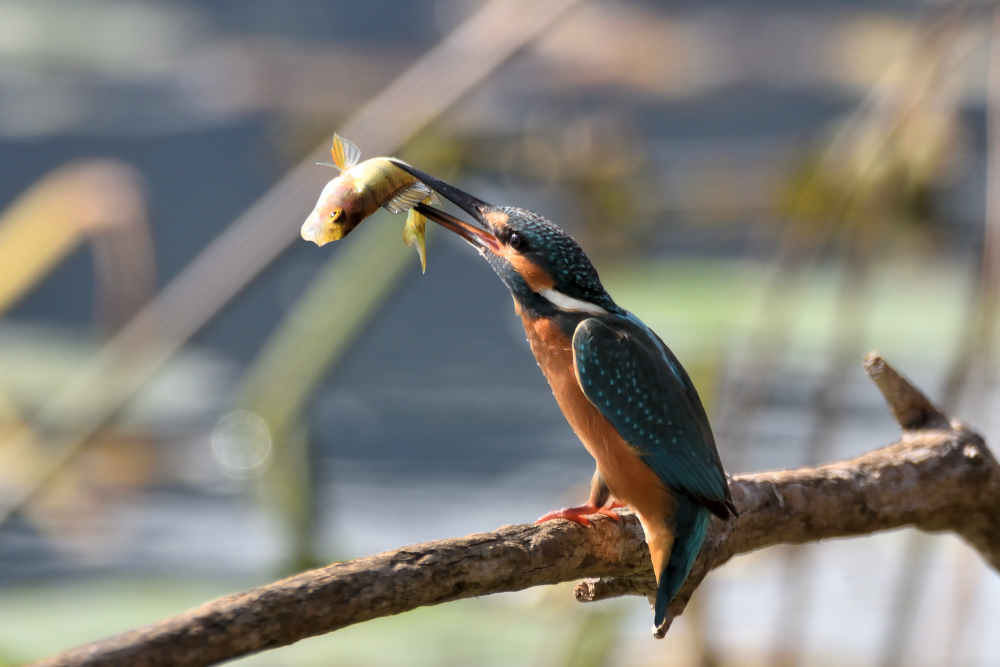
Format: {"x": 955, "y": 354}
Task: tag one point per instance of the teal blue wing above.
{"x": 641, "y": 388}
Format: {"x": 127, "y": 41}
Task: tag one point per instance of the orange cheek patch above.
{"x": 536, "y": 277}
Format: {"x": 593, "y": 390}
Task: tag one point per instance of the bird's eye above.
{"x": 517, "y": 242}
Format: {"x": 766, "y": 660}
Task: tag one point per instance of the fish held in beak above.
{"x": 359, "y": 191}
{"x": 480, "y": 237}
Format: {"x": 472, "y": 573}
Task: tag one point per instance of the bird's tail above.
{"x": 690, "y": 525}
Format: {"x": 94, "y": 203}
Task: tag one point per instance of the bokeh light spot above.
{"x": 241, "y": 442}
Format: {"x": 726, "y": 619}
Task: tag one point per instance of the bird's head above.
{"x": 544, "y": 268}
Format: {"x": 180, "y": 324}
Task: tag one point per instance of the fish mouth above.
{"x": 321, "y": 234}
{"x": 478, "y": 237}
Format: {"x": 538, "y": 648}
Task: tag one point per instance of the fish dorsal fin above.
{"x": 407, "y": 197}
{"x": 345, "y": 153}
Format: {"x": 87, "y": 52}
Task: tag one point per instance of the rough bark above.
{"x": 939, "y": 476}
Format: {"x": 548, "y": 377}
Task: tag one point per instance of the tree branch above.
{"x": 938, "y": 476}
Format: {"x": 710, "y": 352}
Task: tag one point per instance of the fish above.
{"x": 361, "y": 189}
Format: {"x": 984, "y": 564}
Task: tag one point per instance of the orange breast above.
{"x": 631, "y": 481}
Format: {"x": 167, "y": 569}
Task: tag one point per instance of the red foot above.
{"x": 579, "y": 514}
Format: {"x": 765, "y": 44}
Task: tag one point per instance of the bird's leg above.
{"x": 599, "y": 496}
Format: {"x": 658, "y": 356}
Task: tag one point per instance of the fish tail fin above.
{"x": 690, "y": 526}
{"x": 345, "y": 154}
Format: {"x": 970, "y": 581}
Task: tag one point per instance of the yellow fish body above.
{"x": 361, "y": 189}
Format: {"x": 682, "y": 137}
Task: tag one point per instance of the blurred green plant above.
{"x": 594, "y": 162}
{"x": 319, "y": 330}
{"x": 866, "y": 195}
{"x": 100, "y": 202}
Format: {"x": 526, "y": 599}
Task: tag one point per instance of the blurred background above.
{"x": 193, "y": 401}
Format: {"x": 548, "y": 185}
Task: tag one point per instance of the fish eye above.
{"x": 517, "y": 242}
{"x": 334, "y": 214}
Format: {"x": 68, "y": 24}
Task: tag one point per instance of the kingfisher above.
{"x": 623, "y": 392}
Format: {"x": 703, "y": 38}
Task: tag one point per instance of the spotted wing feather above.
{"x": 640, "y": 387}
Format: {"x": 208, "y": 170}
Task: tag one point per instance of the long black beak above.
{"x": 481, "y": 238}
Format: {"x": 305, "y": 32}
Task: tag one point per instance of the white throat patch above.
{"x": 564, "y": 302}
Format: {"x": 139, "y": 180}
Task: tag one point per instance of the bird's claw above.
{"x": 579, "y": 514}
